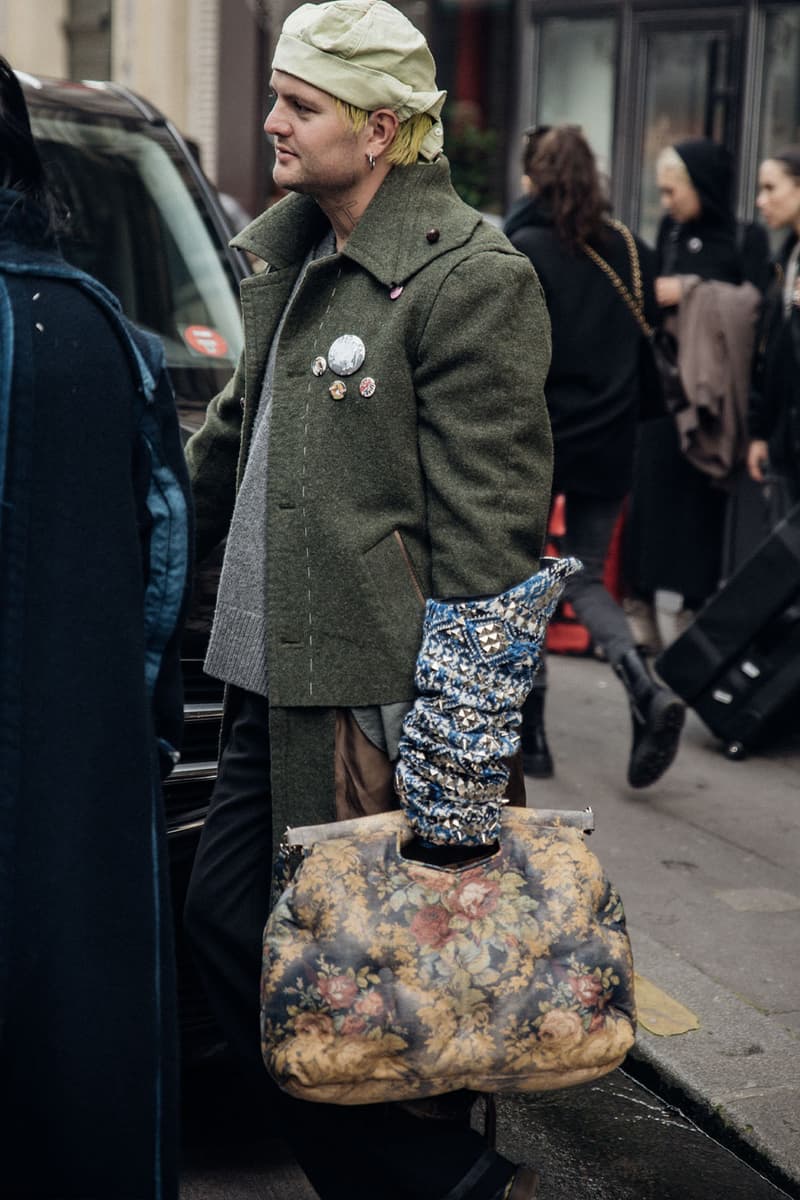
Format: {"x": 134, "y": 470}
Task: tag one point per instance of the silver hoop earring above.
{"x": 371, "y": 161}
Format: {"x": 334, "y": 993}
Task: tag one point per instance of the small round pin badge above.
{"x": 694, "y": 245}
{"x": 338, "y": 389}
{"x": 319, "y": 365}
{"x": 346, "y": 354}
{"x": 367, "y": 387}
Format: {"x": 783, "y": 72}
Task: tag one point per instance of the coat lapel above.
{"x": 391, "y": 240}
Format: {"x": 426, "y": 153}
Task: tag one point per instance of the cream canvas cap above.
{"x": 366, "y": 53}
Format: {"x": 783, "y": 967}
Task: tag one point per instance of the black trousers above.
{"x": 348, "y": 1153}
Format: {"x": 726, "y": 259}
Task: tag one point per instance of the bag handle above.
{"x": 302, "y": 836}
{"x": 635, "y": 301}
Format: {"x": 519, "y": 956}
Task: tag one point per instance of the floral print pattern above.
{"x": 385, "y": 978}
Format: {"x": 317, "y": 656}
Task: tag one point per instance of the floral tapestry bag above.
{"x": 386, "y": 978}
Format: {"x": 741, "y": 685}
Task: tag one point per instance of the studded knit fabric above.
{"x": 475, "y": 667}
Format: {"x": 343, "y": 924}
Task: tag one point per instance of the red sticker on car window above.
{"x": 205, "y": 340}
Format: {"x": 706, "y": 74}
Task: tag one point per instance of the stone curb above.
{"x": 740, "y": 1070}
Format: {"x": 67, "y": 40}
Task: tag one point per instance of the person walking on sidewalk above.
{"x": 582, "y": 259}
{"x": 774, "y": 417}
{"x": 382, "y": 441}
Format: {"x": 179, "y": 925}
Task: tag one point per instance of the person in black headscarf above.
{"x": 699, "y": 234}
{"x": 675, "y": 530}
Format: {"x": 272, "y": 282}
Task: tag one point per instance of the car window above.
{"x": 134, "y": 224}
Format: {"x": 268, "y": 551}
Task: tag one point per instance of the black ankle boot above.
{"x": 657, "y": 716}
{"x": 536, "y": 758}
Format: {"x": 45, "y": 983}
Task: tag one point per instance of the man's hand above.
{"x": 669, "y": 291}
{"x": 757, "y": 459}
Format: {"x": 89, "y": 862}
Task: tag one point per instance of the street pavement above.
{"x": 707, "y": 862}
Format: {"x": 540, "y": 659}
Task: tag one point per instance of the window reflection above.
{"x": 685, "y": 80}
{"x": 577, "y": 79}
{"x": 780, "y": 95}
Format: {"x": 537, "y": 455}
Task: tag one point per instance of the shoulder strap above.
{"x": 635, "y": 300}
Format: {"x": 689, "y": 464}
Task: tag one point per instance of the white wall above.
{"x": 166, "y": 50}
{"x": 32, "y": 35}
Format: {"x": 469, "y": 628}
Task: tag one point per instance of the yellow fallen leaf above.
{"x": 659, "y": 1013}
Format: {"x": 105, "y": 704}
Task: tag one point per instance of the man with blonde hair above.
{"x": 383, "y": 441}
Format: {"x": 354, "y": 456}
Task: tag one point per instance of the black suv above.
{"x": 144, "y": 220}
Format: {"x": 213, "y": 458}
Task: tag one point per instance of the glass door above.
{"x": 576, "y": 78}
{"x": 687, "y": 72}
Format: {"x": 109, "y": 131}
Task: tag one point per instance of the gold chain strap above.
{"x": 634, "y": 302}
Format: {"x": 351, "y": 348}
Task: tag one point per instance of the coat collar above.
{"x": 391, "y": 239}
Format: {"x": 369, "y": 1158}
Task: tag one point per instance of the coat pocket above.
{"x": 397, "y": 588}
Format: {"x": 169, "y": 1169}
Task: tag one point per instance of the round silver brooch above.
{"x": 346, "y": 354}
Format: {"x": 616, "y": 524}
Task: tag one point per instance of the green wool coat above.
{"x": 438, "y": 484}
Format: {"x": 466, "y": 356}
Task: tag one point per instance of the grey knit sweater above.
{"x": 237, "y": 647}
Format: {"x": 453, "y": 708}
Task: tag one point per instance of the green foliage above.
{"x": 473, "y": 154}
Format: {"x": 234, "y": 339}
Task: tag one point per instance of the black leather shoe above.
{"x": 536, "y": 757}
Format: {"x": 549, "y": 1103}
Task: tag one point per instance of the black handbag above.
{"x": 664, "y": 350}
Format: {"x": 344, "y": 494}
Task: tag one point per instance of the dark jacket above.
{"x": 94, "y": 550}
{"x": 592, "y": 387}
{"x": 775, "y": 397}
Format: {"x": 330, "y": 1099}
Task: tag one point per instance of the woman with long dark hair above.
{"x": 775, "y": 399}
{"x": 94, "y": 554}
{"x": 598, "y": 287}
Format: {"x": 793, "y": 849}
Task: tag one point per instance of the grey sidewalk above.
{"x": 708, "y": 865}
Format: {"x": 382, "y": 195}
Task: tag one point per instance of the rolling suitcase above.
{"x": 738, "y": 663}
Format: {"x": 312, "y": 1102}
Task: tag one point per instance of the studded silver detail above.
{"x": 492, "y": 637}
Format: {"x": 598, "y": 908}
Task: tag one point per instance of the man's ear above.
{"x": 381, "y": 131}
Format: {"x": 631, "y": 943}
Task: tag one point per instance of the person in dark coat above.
{"x": 94, "y": 556}
{"x": 675, "y": 530}
{"x": 587, "y": 265}
{"x": 774, "y": 418}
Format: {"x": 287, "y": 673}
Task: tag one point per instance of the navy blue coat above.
{"x": 94, "y": 553}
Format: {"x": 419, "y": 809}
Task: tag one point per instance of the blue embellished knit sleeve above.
{"x": 475, "y": 667}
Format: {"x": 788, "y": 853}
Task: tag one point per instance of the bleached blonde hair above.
{"x": 670, "y": 160}
{"x": 410, "y": 135}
